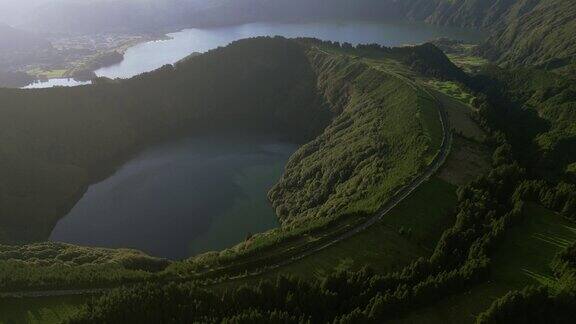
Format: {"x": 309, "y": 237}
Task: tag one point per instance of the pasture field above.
{"x": 522, "y": 259}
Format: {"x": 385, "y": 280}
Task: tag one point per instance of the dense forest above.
{"x": 342, "y": 87}
{"x": 337, "y": 173}
{"x": 487, "y": 209}
{"x": 536, "y": 111}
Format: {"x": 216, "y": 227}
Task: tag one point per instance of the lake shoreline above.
{"x": 171, "y": 47}
{"x": 265, "y": 163}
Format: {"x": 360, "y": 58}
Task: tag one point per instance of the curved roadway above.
{"x": 396, "y": 199}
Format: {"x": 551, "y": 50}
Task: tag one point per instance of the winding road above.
{"x": 396, "y": 199}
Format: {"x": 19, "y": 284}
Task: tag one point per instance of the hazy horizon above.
{"x": 12, "y": 12}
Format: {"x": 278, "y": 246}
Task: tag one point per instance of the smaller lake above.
{"x": 49, "y": 83}
{"x": 180, "y": 199}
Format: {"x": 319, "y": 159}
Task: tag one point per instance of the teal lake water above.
{"x": 183, "y": 198}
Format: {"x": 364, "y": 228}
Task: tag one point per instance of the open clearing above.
{"x": 467, "y": 161}
{"x": 522, "y": 259}
{"x": 460, "y": 116}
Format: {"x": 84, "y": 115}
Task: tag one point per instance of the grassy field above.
{"x": 452, "y": 89}
{"x": 468, "y": 160}
{"x": 468, "y": 63}
{"x": 525, "y": 257}
{"x": 48, "y": 74}
{"x": 460, "y": 116}
{"x": 522, "y": 259}
{"x": 45, "y": 310}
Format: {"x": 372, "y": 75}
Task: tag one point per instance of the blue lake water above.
{"x": 149, "y": 56}
{"x": 179, "y": 199}
{"x": 49, "y": 83}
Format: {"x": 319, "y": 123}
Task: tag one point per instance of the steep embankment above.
{"x": 543, "y": 35}
{"x": 482, "y": 14}
{"x": 382, "y": 137}
{"x": 522, "y": 32}
{"x": 537, "y": 111}
{"x": 55, "y": 142}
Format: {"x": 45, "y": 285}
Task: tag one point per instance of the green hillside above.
{"x": 496, "y": 240}
{"x": 542, "y": 35}
{"x": 522, "y": 32}
{"x": 372, "y": 147}
{"x": 537, "y": 112}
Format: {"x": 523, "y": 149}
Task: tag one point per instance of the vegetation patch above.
{"x": 408, "y": 232}
{"x": 461, "y": 117}
{"x": 373, "y": 147}
{"x": 452, "y": 89}
{"x": 468, "y": 160}
{"x": 46, "y": 310}
{"x": 61, "y": 266}
{"x": 524, "y": 258}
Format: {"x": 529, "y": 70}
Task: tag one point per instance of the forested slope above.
{"x": 467, "y": 256}
{"x": 382, "y": 131}
{"x": 55, "y": 142}
{"x": 543, "y": 35}
{"x": 381, "y": 138}
{"x": 521, "y": 32}
{"x": 537, "y": 112}
{"x": 483, "y": 14}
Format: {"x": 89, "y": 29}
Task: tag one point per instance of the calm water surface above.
{"x": 152, "y": 55}
{"x": 149, "y": 56}
{"x": 64, "y": 82}
{"x": 183, "y": 198}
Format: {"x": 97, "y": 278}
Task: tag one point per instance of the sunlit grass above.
{"x": 522, "y": 259}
